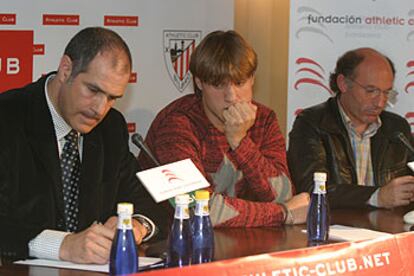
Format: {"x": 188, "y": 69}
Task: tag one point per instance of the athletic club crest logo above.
{"x": 178, "y": 47}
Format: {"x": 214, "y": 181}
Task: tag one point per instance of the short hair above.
{"x": 347, "y": 64}
{"x": 90, "y": 42}
{"x": 221, "y": 57}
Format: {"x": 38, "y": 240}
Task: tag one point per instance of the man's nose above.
{"x": 101, "y": 104}
{"x": 381, "y": 100}
{"x": 231, "y": 95}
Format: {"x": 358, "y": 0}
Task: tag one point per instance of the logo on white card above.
{"x": 171, "y": 177}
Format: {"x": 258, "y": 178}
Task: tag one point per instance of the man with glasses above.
{"x": 353, "y": 139}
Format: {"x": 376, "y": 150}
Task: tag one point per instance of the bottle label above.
{"x": 320, "y": 187}
{"x": 202, "y": 208}
{"x": 182, "y": 212}
{"x": 124, "y": 221}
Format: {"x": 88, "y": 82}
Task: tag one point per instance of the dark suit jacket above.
{"x": 30, "y": 175}
{"x": 319, "y": 141}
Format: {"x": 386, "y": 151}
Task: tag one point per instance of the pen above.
{"x": 160, "y": 264}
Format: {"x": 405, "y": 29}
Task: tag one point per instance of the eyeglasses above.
{"x": 374, "y": 92}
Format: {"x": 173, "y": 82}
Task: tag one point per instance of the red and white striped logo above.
{"x": 178, "y": 47}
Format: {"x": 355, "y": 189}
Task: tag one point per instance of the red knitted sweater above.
{"x": 246, "y": 182}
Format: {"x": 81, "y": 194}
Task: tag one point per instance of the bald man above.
{"x": 353, "y": 139}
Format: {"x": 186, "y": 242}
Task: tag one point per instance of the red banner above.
{"x": 7, "y": 19}
{"x": 16, "y": 59}
{"x": 116, "y": 20}
{"x": 61, "y": 19}
{"x": 39, "y": 49}
{"x": 132, "y": 127}
{"x": 385, "y": 256}
{"x": 133, "y": 77}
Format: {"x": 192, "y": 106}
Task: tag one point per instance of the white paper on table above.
{"x": 172, "y": 179}
{"x": 349, "y": 233}
{"x": 143, "y": 261}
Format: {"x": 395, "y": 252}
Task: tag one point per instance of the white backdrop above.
{"x": 322, "y": 30}
{"x": 143, "y": 24}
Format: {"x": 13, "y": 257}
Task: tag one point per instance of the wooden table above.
{"x": 240, "y": 242}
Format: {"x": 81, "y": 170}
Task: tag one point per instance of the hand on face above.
{"x": 397, "y": 192}
{"x": 238, "y": 119}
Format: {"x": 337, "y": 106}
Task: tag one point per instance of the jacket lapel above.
{"x": 91, "y": 176}
{"x": 42, "y": 139}
{"x": 333, "y": 124}
{"x": 379, "y": 145}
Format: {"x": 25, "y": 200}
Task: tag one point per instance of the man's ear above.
{"x": 65, "y": 68}
{"x": 342, "y": 83}
{"x": 199, "y": 83}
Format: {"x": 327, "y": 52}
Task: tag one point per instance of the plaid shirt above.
{"x": 361, "y": 146}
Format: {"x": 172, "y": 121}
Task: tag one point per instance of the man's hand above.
{"x": 298, "y": 208}
{"x": 239, "y": 118}
{"x": 139, "y": 230}
{"x": 397, "y": 192}
{"x": 92, "y": 245}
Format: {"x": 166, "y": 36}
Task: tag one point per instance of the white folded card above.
{"x": 172, "y": 179}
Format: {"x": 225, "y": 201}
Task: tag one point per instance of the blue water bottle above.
{"x": 318, "y": 212}
{"x": 203, "y": 235}
{"x": 124, "y": 257}
{"x": 180, "y": 237}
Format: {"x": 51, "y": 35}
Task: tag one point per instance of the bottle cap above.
{"x": 182, "y": 199}
{"x": 125, "y": 207}
{"x": 319, "y": 176}
{"x": 202, "y": 195}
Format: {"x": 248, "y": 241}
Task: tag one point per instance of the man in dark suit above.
{"x": 41, "y": 214}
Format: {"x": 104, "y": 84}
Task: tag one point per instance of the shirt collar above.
{"x": 370, "y": 131}
{"x": 59, "y": 124}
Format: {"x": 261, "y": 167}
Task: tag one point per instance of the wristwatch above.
{"x": 146, "y": 225}
{"x": 149, "y": 225}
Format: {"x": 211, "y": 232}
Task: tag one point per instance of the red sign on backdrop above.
{"x": 39, "y": 49}
{"x": 116, "y": 20}
{"x": 61, "y": 19}
{"x": 7, "y": 19}
{"x": 16, "y": 59}
{"x": 131, "y": 127}
{"x": 133, "y": 77}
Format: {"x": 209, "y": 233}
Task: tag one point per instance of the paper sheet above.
{"x": 143, "y": 261}
{"x": 348, "y": 233}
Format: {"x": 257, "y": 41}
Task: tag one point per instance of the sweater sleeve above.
{"x": 264, "y": 164}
